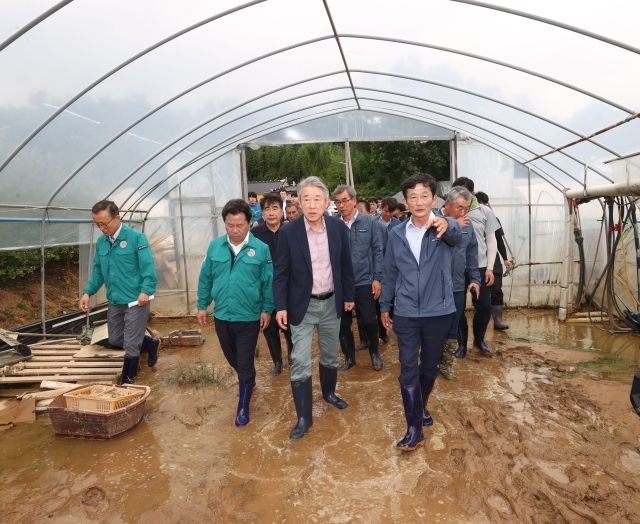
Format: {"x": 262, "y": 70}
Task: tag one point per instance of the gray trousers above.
{"x": 321, "y": 313}
{"x": 127, "y": 326}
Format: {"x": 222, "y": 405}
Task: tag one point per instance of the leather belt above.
{"x": 322, "y": 296}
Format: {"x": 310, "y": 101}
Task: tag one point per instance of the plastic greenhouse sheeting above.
{"x": 137, "y": 100}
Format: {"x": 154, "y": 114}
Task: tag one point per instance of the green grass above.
{"x": 198, "y": 374}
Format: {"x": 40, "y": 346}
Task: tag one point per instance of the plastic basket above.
{"x": 82, "y": 400}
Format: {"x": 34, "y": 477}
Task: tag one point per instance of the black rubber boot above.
{"x": 426, "y": 386}
{"x": 150, "y": 345}
{"x": 478, "y": 340}
{"x": 364, "y": 340}
{"x": 635, "y": 393}
{"x": 496, "y": 313}
{"x": 463, "y": 337}
{"x": 287, "y": 338}
{"x": 412, "y": 401}
{"x": 328, "y": 381}
{"x": 130, "y": 370}
{"x": 275, "y": 349}
{"x": 348, "y": 346}
{"x": 242, "y": 415}
{"x": 302, "y": 399}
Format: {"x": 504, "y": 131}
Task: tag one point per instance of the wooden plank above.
{"x": 53, "y": 353}
{"x": 63, "y": 371}
{"x": 93, "y": 351}
{"x": 68, "y": 378}
{"x": 16, "y": 392}
{"x": 100, "y": 333}
{"x": 56, "y": 342}
{"x": 70, "y": 364}
{"x": 55, "y": 346}
{"x": 46, "y": 358}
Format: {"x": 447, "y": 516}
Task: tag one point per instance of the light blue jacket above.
{"x": 422, "y": 289}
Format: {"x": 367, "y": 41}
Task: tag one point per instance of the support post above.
{"x": 530, "y": 218}
{"x": 348, "y": 168}
{"x": 43, "y": 301}
{"x": 566, "y": 279}
{"x": 184, "y": 251}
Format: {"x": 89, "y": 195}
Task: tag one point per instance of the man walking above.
{"x": 313, "y": 285}
{"x": 237, "y": 274}
{"x": 465, "y": 273}
{"x": 417, "y": 267}
{"x": 485, "y": 226}
{"x": 124, "y": 264}
{"x": 255, "y": 207}
{"x": 268, "y": 233}
{"x": 366, "y": 258}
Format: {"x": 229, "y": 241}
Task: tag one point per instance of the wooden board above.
{"x": 61, "y": 352}
{"x": 69, "y": 363}
{"x": 63, "y": 371}
{"x": 93, "y": 352}
{"x": 183, "y": 337}
{"x": 100, "y": 333}
{"x": 68, "y": 378}
{"x": 48, "y": 347}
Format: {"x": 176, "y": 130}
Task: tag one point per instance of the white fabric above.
{"x": 414, "y": 237}
{"x": 484, "y": 223}
{"x": 238, "y": 248}
{"x": 353, "y": 219}
{"x": 113, "y": 238}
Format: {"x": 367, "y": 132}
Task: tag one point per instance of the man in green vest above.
{"x": 124, "y": 264}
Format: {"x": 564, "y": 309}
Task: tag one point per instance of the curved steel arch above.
{"x": 491, "y": 99}
{"x": 67, "y": 104}
{"x": 473, "y": 125}
{"x": 204, "y": 153}
{"x": 228, "y": 148}
{"x": 155, "y": 155}
{"x": 549, "y": 21}
{"x": 209, "y": 151}
{"x": 54, "y": 9}
{"x": 492, "y": 61}
{"x": 597, "y": 171}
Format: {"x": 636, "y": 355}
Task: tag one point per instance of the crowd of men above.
{"x": 288, "y": 267}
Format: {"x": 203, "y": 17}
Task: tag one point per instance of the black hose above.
{"x": 577, "y": 234}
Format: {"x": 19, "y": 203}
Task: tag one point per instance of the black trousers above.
{"x": 273, "y": 330}
{"x": 482, "y": 305}
{"x": 238, "y": 341}
{"x": 366, "y": 308}
{"x": 497, "y": 297}
{"x": 420, "y": 346}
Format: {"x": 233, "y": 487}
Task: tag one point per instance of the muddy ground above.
{"x": 542, "y": 432}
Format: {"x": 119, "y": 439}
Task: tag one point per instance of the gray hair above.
{"x": 342, "y": 188}
{"x": 313, "y": 181}
{"x": 456, "y": 192}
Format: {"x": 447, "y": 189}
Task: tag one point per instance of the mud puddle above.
{"x": 524, "y": 436}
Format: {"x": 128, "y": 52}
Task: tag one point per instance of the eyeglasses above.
{"x": 342, "y": 202}
{"x": 104, "y": 226}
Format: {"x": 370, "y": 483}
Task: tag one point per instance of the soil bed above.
{"x": 542, "y": 432}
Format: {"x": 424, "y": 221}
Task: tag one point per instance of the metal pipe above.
{"x": 142, "y": 53}
{"x": 184, "y": 249}
{"x": 567, "y": 262}
{"x": 43, "y": 303}
{"x": 344, "y": 59}
{"x": 530, "y": 217}
{"x": 625, "y": 188}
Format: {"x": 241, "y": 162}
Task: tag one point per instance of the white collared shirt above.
{"x": 113, "y": 238}
{"x": 238, "y": 248}
{"x": 353, "y": 219}
{"x": 414, "y": 236}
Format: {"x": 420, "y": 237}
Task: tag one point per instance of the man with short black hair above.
{"x": 485, "y": 226}
{"x": 417, "y": 267}
{"x": 373, "y": 204}
{"x": 285, "y": 200}
{"x": 124, "y": 264}
{"x": 388, "y": 208}
{"x": 268, "y": 233}
{"x": 293, "y": 211}
{"x": 366, "y": 259}
{"x": 237, "y": 274}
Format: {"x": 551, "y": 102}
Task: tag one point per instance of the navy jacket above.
{"x": 365, "y": 239}
{"x": 424, "y": 289}
{"x": 293, "y": 279}
{"x": 466, "y": 259}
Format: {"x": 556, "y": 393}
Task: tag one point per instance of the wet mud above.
{"x": 542, "y": 432}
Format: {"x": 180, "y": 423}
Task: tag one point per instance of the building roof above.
{"x": 267, "y": 186}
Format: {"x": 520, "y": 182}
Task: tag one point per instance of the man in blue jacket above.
{"x": 366, "y": 257}
{"x": 237, "y": 275}
{"x": 417, "y": 270}
{"x": 313, "y": 285}
{"x": 124, "y": 264}
{"x": 465, "y": 273}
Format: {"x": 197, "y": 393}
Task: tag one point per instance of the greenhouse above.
{"x": 154, "y": 105}
{"x": 153, "y": 108}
